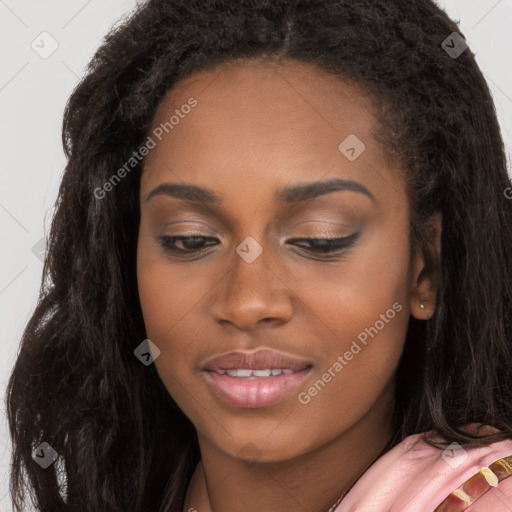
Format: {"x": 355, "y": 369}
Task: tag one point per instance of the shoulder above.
{"x": 415, "y": 476}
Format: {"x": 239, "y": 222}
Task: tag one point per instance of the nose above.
{"x": 253, "y": 293}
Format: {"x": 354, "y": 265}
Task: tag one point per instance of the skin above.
{"x": 258, "y": 127}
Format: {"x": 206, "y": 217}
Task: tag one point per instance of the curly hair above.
{"x": 122, "y": 442}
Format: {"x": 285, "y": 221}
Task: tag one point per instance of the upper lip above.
{"x": 259, "y": 360}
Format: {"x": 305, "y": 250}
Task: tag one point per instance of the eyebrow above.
{"x": 294, "y": 194}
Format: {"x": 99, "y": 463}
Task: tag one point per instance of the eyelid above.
{"x": 326, "y": 247}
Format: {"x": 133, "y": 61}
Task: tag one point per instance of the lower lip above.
{"x": 261, "y": 392}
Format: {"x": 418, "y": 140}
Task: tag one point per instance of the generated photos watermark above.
{"x": 343, "y": 360}
{"x": 138, "y": 156}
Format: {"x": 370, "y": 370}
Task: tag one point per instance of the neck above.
{"x": 312, "y": 481}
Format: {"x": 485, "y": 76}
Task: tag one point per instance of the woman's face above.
{"x": 286, "y": 154}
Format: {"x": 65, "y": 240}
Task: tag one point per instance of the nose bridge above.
{"x": 252, "y": 289}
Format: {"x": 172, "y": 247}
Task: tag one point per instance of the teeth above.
{"x": 245, "y": 372}
{"x": 262, "y": 373}
{"x": 242, "y": 373}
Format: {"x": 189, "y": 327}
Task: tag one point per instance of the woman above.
{"x": 280, "y": 261}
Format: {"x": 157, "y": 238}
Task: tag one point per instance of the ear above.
{"x": 425, "y": 276}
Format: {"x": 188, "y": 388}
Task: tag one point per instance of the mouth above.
{"x": 260, "y": 360}
{"x": 249, "y": 388}
{"x": 247, "y": 373}
{"x": 255, "y": 379}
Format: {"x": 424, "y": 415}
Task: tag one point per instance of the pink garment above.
{"x": 416, "y": 477}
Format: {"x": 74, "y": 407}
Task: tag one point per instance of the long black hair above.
{"x": 122, "y": 442}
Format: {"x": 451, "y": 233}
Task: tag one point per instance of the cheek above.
{"x": 174, "y": 307}
{"x": 167, "y": 299}
{"x": 351, "y": 295}
{"x": 158, "y": 302}
{"x": 360, "y": 310}
{"x": 166, "y": 309}
{"x": 166, "y": 291}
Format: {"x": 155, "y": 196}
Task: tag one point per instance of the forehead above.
{"x": 262, "y": 121}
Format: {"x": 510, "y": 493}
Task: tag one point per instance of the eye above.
{"x": 194, "y": 244}
{"x": 329, "y": 245}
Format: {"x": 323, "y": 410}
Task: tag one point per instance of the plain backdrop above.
{"x": 34, "y": 88}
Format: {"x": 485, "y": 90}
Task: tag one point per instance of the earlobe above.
{"x": 425, "y": 276}
{"x": 422, "y": 309}
{"x": 422, "y": 298}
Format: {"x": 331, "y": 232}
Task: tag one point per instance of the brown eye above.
{"x": 194, "y": 244}
{"x": 191, "y": 244}
{"x": 329, "y": 245}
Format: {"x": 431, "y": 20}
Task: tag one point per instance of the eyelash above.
{"x": 328, "y": 246}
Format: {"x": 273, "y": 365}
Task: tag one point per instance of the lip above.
{"x": 254, "y": 392}
{"x": 260, "y": 392}
{"x": 259, "y": 360}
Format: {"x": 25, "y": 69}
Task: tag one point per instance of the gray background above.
{"x": 33, "y": 92}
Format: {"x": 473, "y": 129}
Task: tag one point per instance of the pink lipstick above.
{"x": 256, "y": 379}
